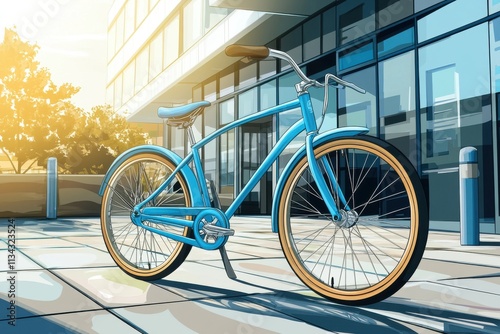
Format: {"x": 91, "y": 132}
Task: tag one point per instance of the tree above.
{"x": 98, "y": 138}
{"x": 33, "y": 110}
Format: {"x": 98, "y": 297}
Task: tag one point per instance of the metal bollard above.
{"x": 52, "y": 188}
{"x": 469, "y": 214}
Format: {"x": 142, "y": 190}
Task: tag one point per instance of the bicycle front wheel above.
{"x": 375, "y": 247}
{"x": 138, "y": 252}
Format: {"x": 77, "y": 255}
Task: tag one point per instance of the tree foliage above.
{"x": 38, "y": 120}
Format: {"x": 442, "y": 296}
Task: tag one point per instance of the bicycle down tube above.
{"x": 156, "y": 213}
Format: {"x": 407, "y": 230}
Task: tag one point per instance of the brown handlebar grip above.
{"x": 256, "y": 52}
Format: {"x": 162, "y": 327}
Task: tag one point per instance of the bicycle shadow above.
{"x": 393, "y": 315}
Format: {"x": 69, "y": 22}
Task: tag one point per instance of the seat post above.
{"x": 191, "y": 139}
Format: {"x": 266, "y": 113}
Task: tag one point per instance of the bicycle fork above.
{"x": 334, "y": 199}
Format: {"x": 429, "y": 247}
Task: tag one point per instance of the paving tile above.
{"x": 91, "y": 241}
{"x": 53, "y": 258}
{"x": 112, "y": 287}
{"x": 308, "y": 307}
{"x": 45, "y": 243}
{"x": 196, "y": 280}
{"x": 443, "y": 307}
{"x": 40, "y": 292}
{"x": 235, "y": 315}
{"x": 435, "y": 270}
{"x": 465, "y": 258}
{"x": 22, "y": 262}
{"x": 80, "y": 322}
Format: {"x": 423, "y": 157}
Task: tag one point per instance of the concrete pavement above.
{"x": 66, "y": 282}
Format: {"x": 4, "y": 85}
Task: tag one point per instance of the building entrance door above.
{"x": 256, "y": 142}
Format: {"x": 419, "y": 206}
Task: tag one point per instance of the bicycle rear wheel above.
{"x": 138, "y": 252}
{"x": 377, "y": 245}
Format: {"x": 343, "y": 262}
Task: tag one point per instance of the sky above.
{"x": 72, "y": 37}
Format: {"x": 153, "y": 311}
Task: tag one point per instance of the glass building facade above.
{"x": 431, "y": 71}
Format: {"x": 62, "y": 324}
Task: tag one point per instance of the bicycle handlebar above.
{"x": 263, "y": 52}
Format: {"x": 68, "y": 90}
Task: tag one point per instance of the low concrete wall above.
{"x": 26, "y": 195}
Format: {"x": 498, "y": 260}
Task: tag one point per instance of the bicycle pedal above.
{"x": 217, "y": 231}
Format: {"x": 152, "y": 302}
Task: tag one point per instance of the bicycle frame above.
{"x": 307, "y": 123}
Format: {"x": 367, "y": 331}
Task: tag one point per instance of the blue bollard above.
{"x": 52, "y": 188}
{"x": 469, "y": 214}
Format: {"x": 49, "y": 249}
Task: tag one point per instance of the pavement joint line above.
{"x": 439, "y": 282}
{"x": 460, "y": 263}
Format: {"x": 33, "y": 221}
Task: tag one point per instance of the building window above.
{"x": 268, "y": 95}
{"x": 247, "y": 74}
{"x": 356, "y": 18}
{"x": 171, "y": 42}
{"x": 210, "y": 91}
{"x": 155, "y": 56}
{"x": 356, "y": 108}
{"x": 193, "y": 23}
{"x": 227, "y": 111}
{"x": 247, "y": 102}
{"x": 494, "y": 6}
{"x": 210, "y": 149}
{"x": 312, "y": 38}
{"x": 329, "y": 31}
{"x": 141, "y": 69}
{"x": 390, "y": 11}
{"x": 129, "y": 19}
{"x": 267, "y": 67}
{"x": 226, "y": 83}
{"x": 118, "y": 92}
{"x": 454, "y": 15}
{"x": 397, "y": 103}
{"x": 423, "y": 4}
{"x": 112, "y": 41}
{"x": 142, "y": 11}
{"x": 357, "y": 55}
{"x": 128, "y": 82}
{"x": 291, "y": 43}
{"x": 453, "y": 95}
{"x": 395, "y": 42}
{"x": 119, "y": 31}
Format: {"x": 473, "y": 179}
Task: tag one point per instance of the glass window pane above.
{"x": 118, "y": 92}
{"x": 494, "y": 6}
{"x": 141, "y": 69}
{"x": 356, "y": 108}
{"x": 356, "y": 18}
{"x": 390, "y": 11}
{"x": 495, "y": 54}
{"x": 193, "y": 22}
{"x": 396, "y": 42}
{"x": 120, "y": 27}
{"x": 177, "y": 140}
{"x": 312, "y": 41}
{"x": 454, "y": 95}
{"x": 356, "y": 55}
{"x": 155, "y": 56}
{"x": 247, "y": 102}
{"x": 142, "y": 11}
{"x": 248, "y": 74}
{"x": 128, "y": 81}
{"x": 129, "y": 18}
{"x": 210, "y": 91}
{"x": 210, "y": 150}
{"x": 171, "y": 42}
{"x": 397, "y": 103}
{"x": 291, "y": 43}
{"x": 112, "y": 41}
{"x": 454, "y": 15}
{"x": 329, "y": 32}
{"x": 268, "y": 95}
{"x": 423, "y": 4}
{"x": 214, "y": 15}
{"x": 227, "y": 111}
{"x": 226, "y": 83}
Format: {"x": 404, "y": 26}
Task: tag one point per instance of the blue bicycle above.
{"x": 349, "y": 208}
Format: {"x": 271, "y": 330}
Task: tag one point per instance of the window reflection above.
{"x": 456, "y": 14}
{"x": 390, "y": 11}
{"x": 356, "y": 108}
{"x": 454, "y": 95}
{"x": 397, "y": 103}
{"x": 356, "y": 18}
